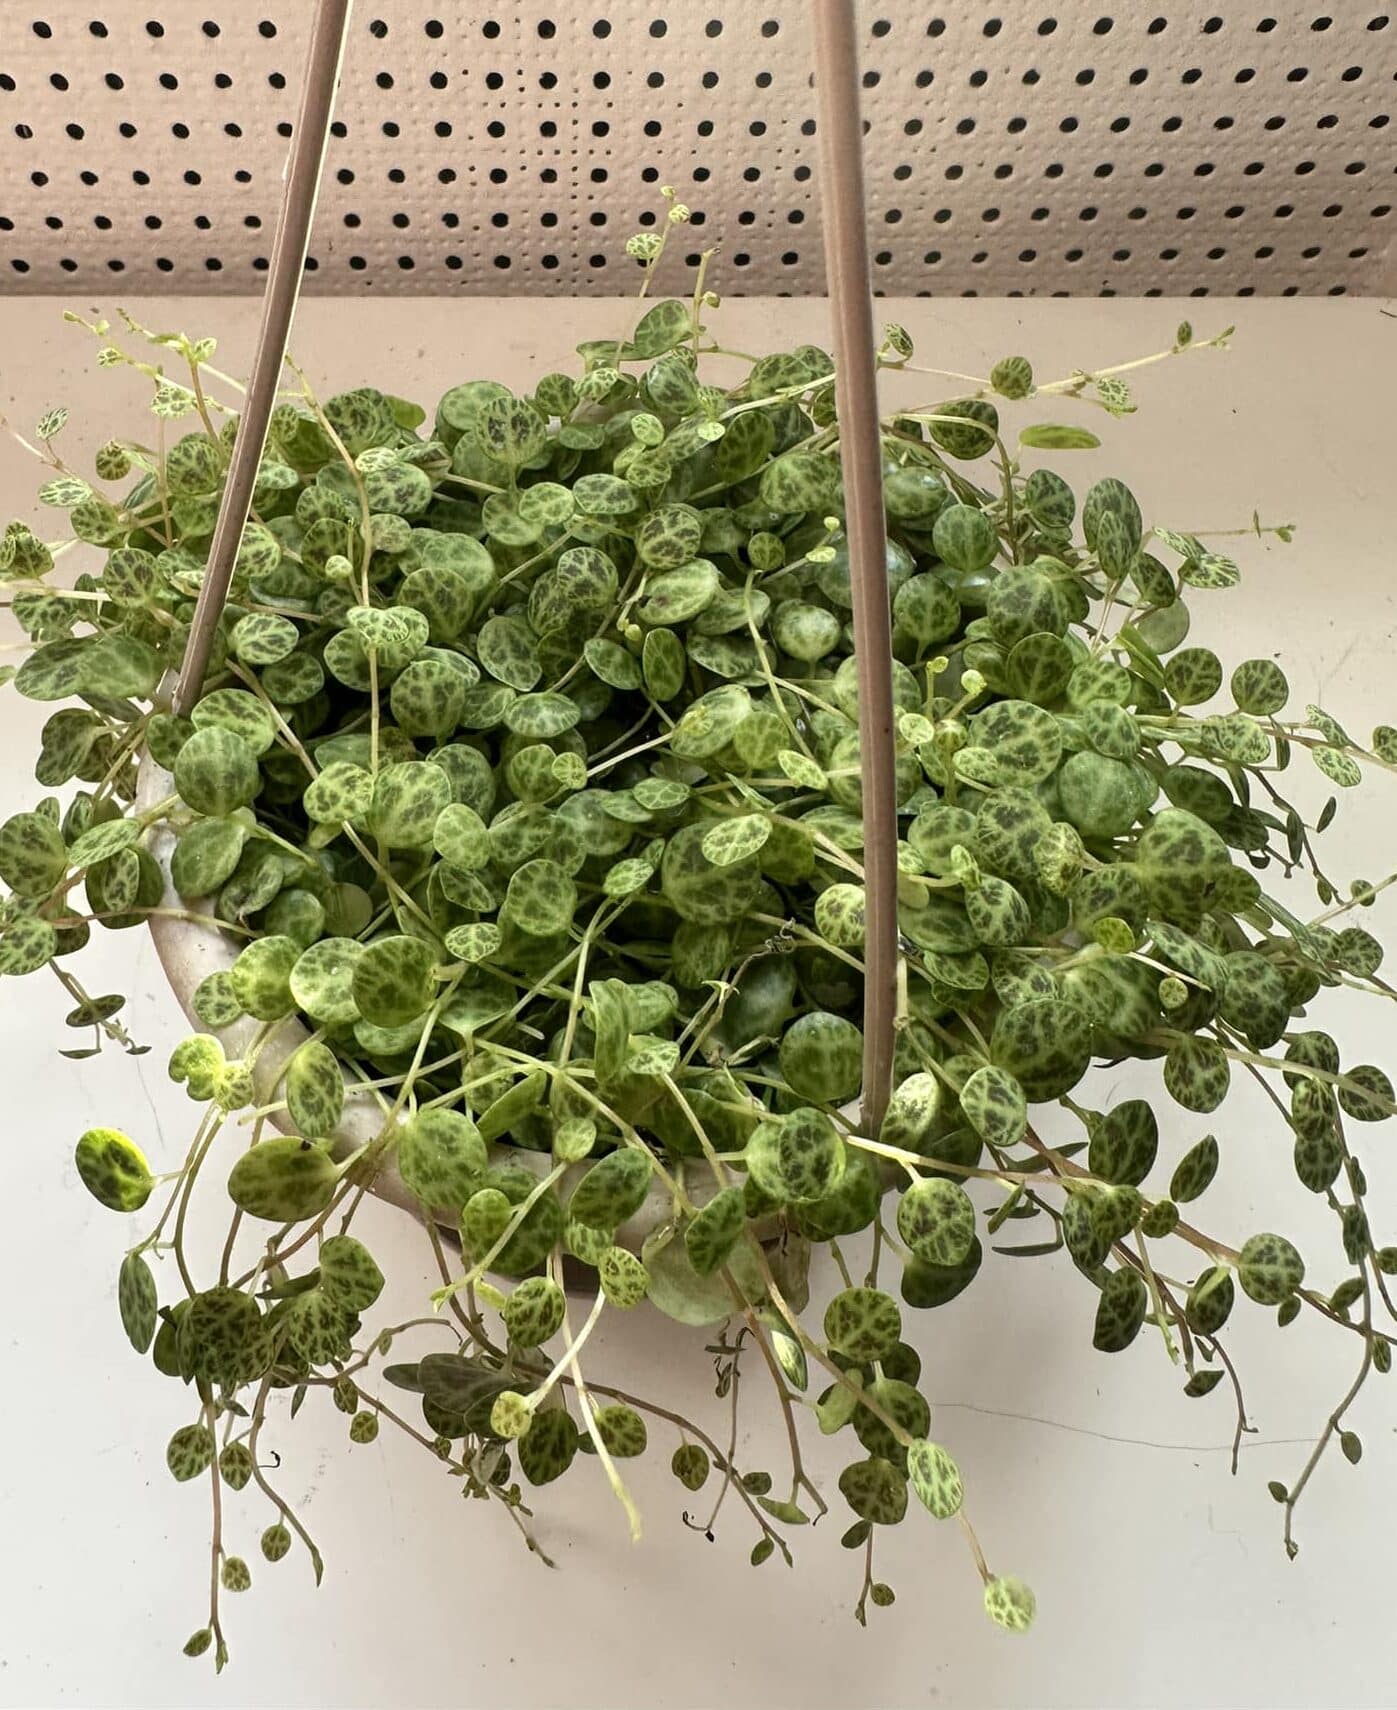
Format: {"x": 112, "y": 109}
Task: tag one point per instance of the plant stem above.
{"x": 584, "y": 1403}
{"x": 220, "y": 1654}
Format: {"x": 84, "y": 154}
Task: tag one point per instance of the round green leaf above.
{"x": 136, "y": 1298}
{"x": 624, "y": 1279}
{"x": 541, "y": 899}
{"x": 822, "y": 1057}
{"x": 113, "y": 1169}
{"x": 348, "y": 1274}
{"x": 613, "y": 1189}
{"x": 189, "y": 1452}
{"x": 546, "y": 1452}
{"x": 534, "y": 1311}
{"x": 935, "y": 1478}
{"x": 1009, "y": 1603}
{"x": 407, "y": 798}
{"x": 994, "y": 1105}
{"x": 875, "y": 1490}
{"x": 393, "y": 980}
{"x": 442, "y": 1158}
{"x": 1124, "y": 1143}
{"x": 1120, "y": 1311}
{"x": 216, "y": 771}
{"x": 283, "y": 1180}
{"x": 314, "y": 1089}
{"x": 261, "y": 977}
{"x": 936, "y": 1221}
{"x": 796, "y": 1158}
{"x": 863, "y": 1324}
{"x": 322, "y": 980}
{"x": 1269, "y": 1269}
{"x": 33, "y": 855}
{"x": 1045, "y": 1044}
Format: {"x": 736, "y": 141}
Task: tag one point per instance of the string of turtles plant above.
{"x": 526, "y": 776}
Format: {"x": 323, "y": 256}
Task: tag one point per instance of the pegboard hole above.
{"x": 542, "y": 118}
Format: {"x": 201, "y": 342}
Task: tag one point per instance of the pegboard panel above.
{"x": 1027, "y": 147}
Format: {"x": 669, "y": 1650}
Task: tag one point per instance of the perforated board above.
{"x": 1014, "y": 146}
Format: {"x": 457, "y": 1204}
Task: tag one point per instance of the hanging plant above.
{"x": 523, "y": 797}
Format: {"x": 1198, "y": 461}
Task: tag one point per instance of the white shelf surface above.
{"x": 1161, "y": 1581}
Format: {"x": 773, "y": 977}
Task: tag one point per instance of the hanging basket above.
{"x": 189, "y": 951}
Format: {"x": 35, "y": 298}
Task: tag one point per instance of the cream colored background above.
{"x": 1161, "y": 1581}
{"x": 1014, "y": 146}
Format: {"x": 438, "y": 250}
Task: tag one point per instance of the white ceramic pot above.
{"x": 189, "y": 951}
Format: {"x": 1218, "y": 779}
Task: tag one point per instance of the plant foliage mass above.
{"x": 526, "y": 779}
